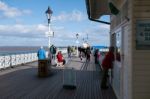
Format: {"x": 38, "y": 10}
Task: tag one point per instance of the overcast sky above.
{"x": 24, "y": 23}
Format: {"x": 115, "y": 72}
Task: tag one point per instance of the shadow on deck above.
{"x": 25, "y": 84}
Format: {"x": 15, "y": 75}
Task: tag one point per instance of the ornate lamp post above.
{"x": 49, "y": 13}
{"x": 87, "y": 37}
{"x": 77, "y": 36}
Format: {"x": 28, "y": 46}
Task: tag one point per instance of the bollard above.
{"x": 43, "y": 67}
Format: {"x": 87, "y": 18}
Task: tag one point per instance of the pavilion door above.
{"x": 125, "y": 74}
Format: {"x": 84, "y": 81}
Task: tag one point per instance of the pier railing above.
{"x": 14, "y": 59}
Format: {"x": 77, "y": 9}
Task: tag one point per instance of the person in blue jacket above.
{"x": 41, "y": 53}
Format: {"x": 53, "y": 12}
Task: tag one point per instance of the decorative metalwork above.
{"x": 17, "y": 59}
{"x": 11, "y": 60}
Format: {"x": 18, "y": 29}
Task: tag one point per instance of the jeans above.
{"x": 104, "y": 78}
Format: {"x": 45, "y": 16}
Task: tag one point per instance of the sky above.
{"x": 24, "y": 23}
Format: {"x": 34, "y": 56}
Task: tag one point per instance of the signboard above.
{"x": 118, "y": 39}
{"x": 49, "y": 33}
{"x": 143, "y": 34}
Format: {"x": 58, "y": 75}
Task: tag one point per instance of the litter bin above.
{"x": 69, "y": 78}
{"x": 43, "y": 67}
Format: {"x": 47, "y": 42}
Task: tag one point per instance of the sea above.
{"x": 99, "y": 47}
{"x": 4, "y": 50}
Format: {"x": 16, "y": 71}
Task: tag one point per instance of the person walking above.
{"x": 53, "y": 51}
{"x": 96, "y": 56}
{"x": 80, "y": 53}
{"x": 41, "y": 54}
{"x": 88, "y": 53}
{"x": 69, "y": 51}
{"x": 107, "y": 64}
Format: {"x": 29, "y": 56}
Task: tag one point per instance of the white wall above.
{"x": 141, "y": 58}
{"x": 123, "y": 71}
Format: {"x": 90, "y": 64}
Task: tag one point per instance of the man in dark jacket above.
{"x": 96, "y": 56}
{"x": 88, "y": 53}
{"x": 53, "y": 51}
{"x": 107, "y": 64}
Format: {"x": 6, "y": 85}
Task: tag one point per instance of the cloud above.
{"x": 11, "y": 12}
{"x": 19, "y": 30}
{"x": 20, "y": 34}
{"x": 41, "y": 28}
{"x": 24, "y": 34}
{"x": 75, "y": 15}
{"x": 97, "y": 34}
{"x": 28, "y": 31}
{"x": 101, "y": 29}
{"x": 104, "y": 26}
{"x": 15, "y": 41}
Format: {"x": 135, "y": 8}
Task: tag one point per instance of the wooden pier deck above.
{"x": 22, "y": 82}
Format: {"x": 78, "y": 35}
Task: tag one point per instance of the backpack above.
{"x": 54, "y": 50}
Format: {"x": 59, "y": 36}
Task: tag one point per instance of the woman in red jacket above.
{"x": 60, "y": 59}
{"x": 106, "y": 65}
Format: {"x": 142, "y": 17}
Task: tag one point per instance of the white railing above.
{"x": 63, "y": 50}
{"x": 104, "y": 50}
{"x": 11, "y": 60}
{"x": 16, "y": 59}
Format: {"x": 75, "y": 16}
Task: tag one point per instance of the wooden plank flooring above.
{"x": 24, "y": 83}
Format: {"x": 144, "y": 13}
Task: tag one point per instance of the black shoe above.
{"x": 104, "y": 87}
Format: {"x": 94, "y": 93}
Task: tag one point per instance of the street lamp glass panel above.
{"x": 48, "y": 16}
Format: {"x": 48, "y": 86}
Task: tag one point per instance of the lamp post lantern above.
{"x": 49, "y": 13}
{"x": 77, "y": 36}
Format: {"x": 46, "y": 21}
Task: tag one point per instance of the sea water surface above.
{"x": 7, "y": 50}
{"x": 4, "y": 50}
